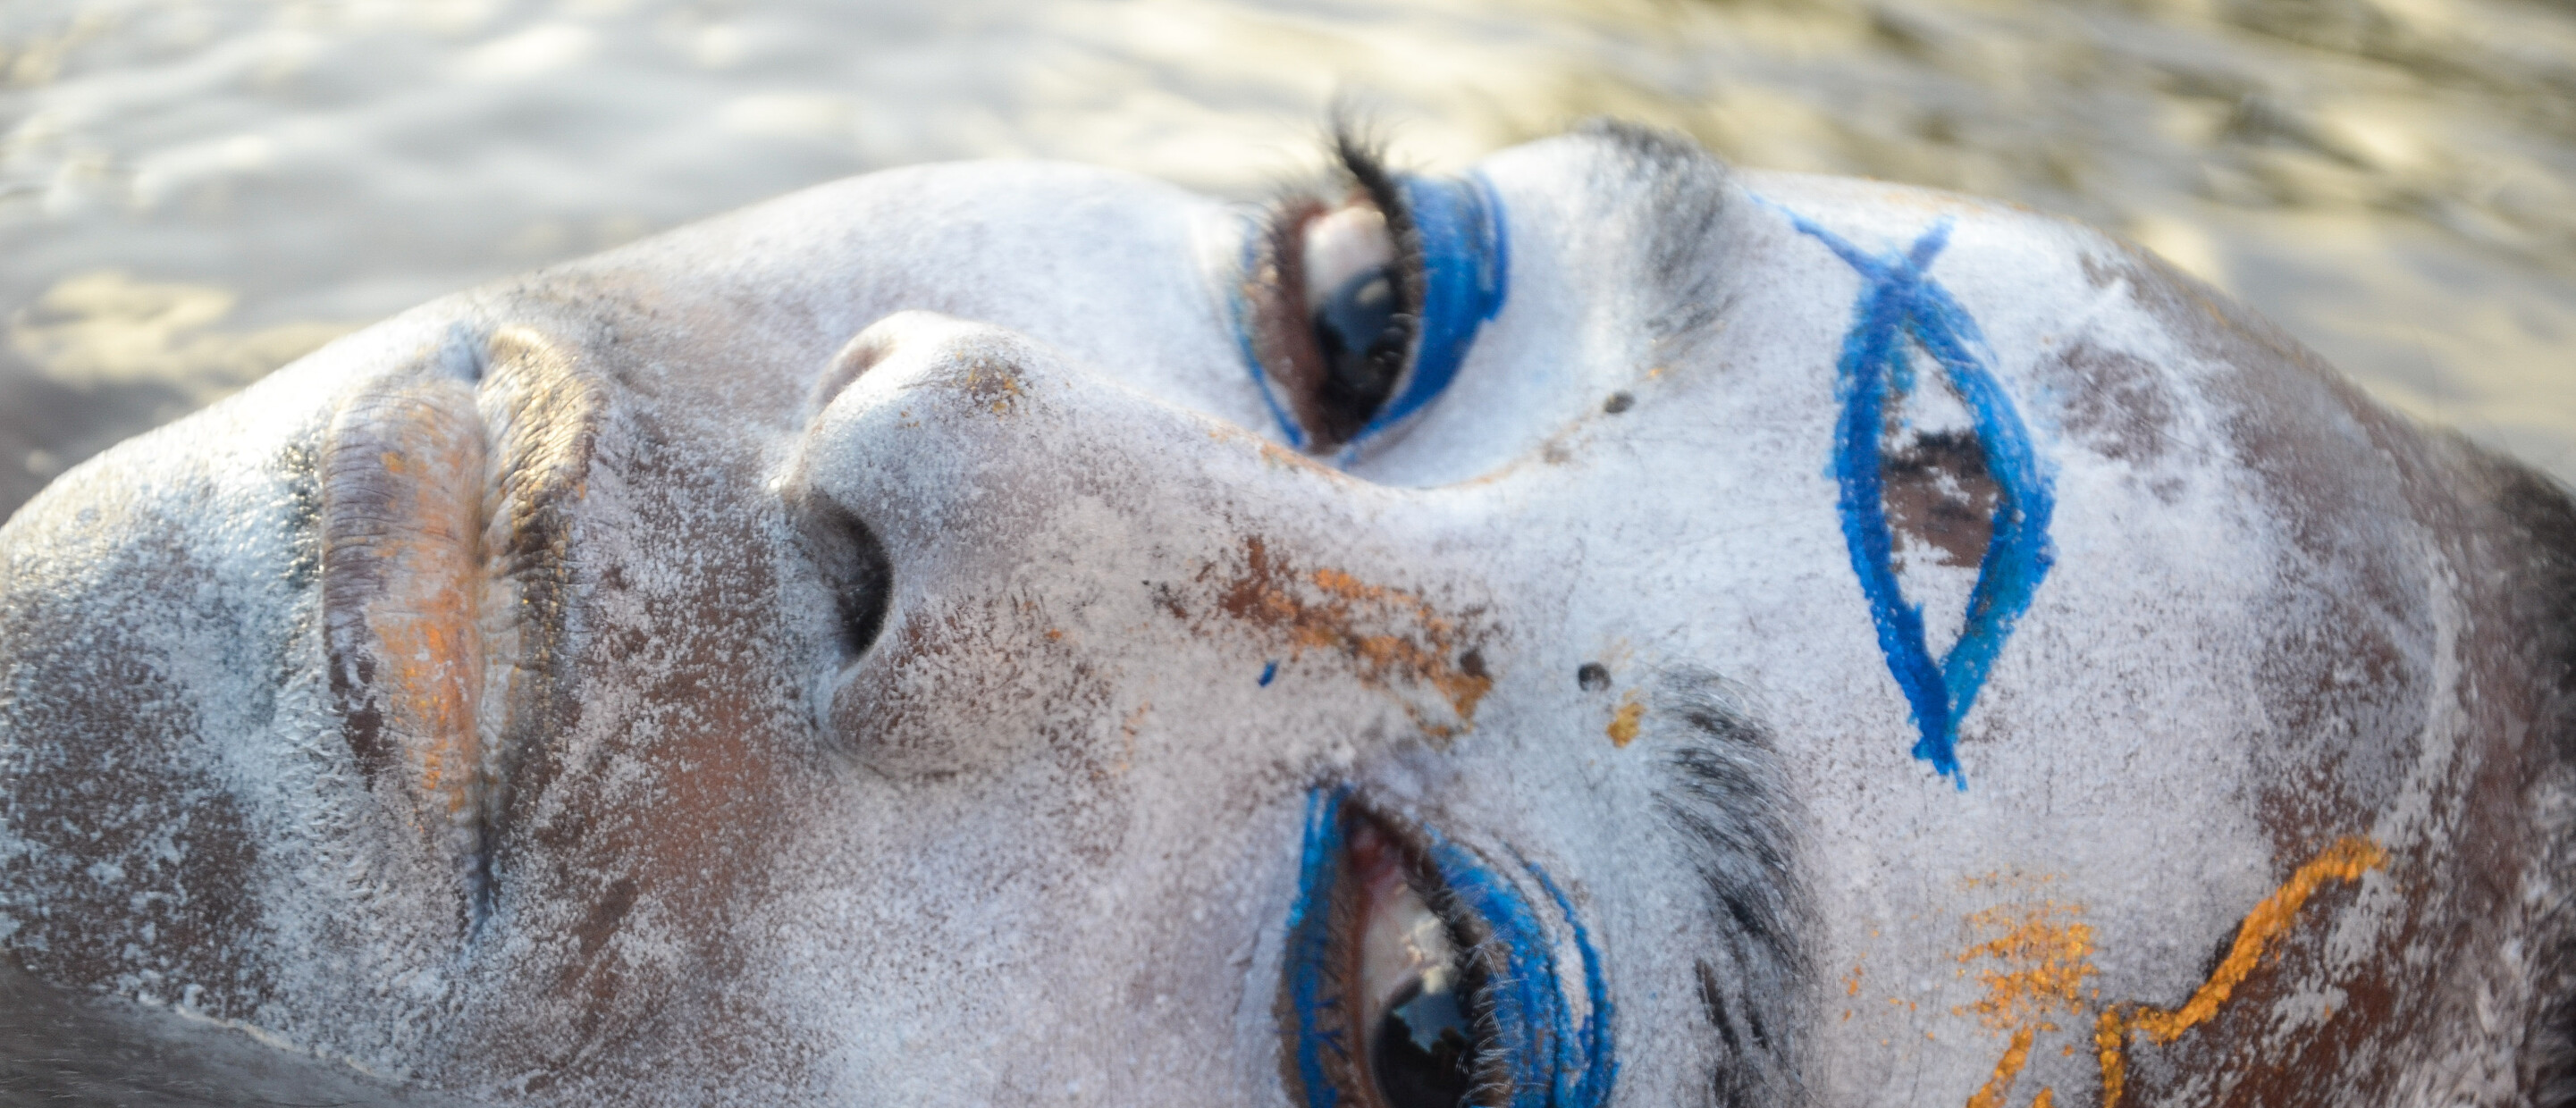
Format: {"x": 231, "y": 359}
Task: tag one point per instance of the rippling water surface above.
{"x": 193, "y": 193}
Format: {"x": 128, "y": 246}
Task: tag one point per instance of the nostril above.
{"x": 859, "y": 355}
{"x": 854, "y": 567}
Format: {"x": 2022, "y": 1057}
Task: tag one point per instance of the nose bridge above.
{"x": 1058, "y": 544}
{"x": 1120, "y": 636}
{"x": 960, "y": 444}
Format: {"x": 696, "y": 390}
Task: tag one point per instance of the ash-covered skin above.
{"x": 874, "y": 649}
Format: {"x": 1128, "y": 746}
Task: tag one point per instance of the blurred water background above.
{"x": 192, "y": 193}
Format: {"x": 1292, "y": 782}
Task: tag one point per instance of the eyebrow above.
{"x": 1680, "y": 193}
{"x": 1725, "y": 799}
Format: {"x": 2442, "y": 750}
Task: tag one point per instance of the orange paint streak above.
{"x": 1393, "y": 635}
{"x": 2345, "y": 861}
{"x": 1992, "y": 1095}
{"x": 2048, "y": 955}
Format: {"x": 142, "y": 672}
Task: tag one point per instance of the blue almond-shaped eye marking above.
{"x": 1555, "y": 1059}
{"x": 1899, "y": 303}
{"x": 1466, "y": 268}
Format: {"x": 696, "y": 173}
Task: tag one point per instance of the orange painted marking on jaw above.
{"x": 2346, "y": 860}
{"x": 2349, "y": 858}
{"x": 2110, "y": 1044}
{"x": 2054, "y": 960}
{"x": 2015, "y": 1057}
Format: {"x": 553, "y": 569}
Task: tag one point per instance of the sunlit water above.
{"x": 193, "y": 193}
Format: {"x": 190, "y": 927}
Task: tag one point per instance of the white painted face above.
{"x": 967, "y": 635}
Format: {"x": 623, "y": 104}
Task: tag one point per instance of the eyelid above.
{"x": 1548, "y": 1045}
{"x": 1450, "y": 263}
{"x": 1463, "y": 267}
{"x": 1554, "y": 1054}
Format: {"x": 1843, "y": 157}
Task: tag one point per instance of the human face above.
{"x": 968, "y": 635}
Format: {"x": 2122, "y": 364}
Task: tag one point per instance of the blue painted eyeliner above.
{"x": 1554, "y": 1058}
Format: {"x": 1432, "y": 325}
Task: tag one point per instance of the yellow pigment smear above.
{"x": 1623, "y": 726}
{"x": 2346, "y": 861}
{"x": 2046, "y": 955}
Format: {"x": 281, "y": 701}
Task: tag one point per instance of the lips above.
{"x": 448, "y": 489}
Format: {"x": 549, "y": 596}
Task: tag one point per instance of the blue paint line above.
{"x": 1459, "y": 224}
{"x": 1900, "y": 305}
{"x": 1311, "y": 990}
{"x": 2019, "y": 555}
{"x": 1587, "y": 1083}
{"x": 1529, "y": 1013}
{"x": 1268, "y": 671}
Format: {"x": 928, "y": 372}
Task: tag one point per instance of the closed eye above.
{"x": 1355, "y": 311}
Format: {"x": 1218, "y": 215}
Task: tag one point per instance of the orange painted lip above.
{"x": 445, "y": 574}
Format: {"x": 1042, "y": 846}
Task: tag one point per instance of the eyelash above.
{"x": 1446, "y": 275}
{"x": 1531, "y": 1048}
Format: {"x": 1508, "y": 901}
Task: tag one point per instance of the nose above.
{"x": 1050, "y": 535}
{"x": 1120, "y": 637}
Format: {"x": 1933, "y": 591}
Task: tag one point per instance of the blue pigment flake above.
{"x": 1901, "y": 307}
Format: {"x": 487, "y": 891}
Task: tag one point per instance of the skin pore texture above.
{"x": 1829, "y": 644}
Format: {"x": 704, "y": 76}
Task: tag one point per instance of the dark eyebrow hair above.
{"x": 1676, "y": 188}
{"x": 1681, "y": 193}
{"x": 1725, "y": 797}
